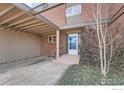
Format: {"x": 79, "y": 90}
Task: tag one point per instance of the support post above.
{"x": 57, "y": 43}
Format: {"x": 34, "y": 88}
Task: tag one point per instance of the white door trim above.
{"x": 73, "y": 44}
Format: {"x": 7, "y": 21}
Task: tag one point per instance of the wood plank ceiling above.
{"x": 15, "y": 19}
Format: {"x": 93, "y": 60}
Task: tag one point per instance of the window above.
{"x": 75, "y": 10}
{"x": 54, "y": 38}
{"x": 51, "y": 38}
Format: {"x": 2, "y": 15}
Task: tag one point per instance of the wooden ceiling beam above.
{"x": 37, "y": 26}
{"x": 27, "y": 23}
{"x": 43, "y": 32}
{"x": 13, "y": 17}
{"x": 41, "y": 26}
{"x": 6, "y": 10}
{"x": 46, "y": 30}
{"x": 20, "y": 21}
{"x": 18, "y": 30}
{"x": 38, "y": 17}
{"x": 41, "y": 29}
{"x": 45, "y": 20}
{"x": 31, "y": 26}
{"x": 23, "y": 24}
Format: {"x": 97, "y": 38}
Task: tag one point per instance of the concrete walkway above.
{"x": 31, "y": 72}
{"x": 67, "y": 59}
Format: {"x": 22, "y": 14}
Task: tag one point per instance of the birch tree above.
{"x": 105, "y": 38}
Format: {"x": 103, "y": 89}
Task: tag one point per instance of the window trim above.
{"x": 52, "y": 38}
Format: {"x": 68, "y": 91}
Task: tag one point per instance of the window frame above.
{"x": 52, "y": 36}
{"x": 73, "y": 10}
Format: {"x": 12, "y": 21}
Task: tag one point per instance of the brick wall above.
{"x": 118, "y": 24}
{"x": 115, "y": 7}
{"x": 56, "y": 15}
{"x": 47, "y": 48}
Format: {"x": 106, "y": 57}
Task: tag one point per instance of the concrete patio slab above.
{"x": 42, "y": 73}
{"x": 67, "y": 59}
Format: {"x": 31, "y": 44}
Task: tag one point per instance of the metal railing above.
{"x": 62, "y": 51}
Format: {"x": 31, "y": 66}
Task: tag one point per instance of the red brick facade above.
{"x": 118, "y": 24}
{"x": 47, "y": 48}
{"x": 57, "y": 16}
